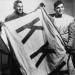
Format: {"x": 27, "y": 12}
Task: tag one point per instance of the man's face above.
{"x": 19, "y": 7}
{"x": 59, "y": 9}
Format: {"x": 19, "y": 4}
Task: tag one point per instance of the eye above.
{"x": 58, "y": 8}
{"x": 62, "y": 6}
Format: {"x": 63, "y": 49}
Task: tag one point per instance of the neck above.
{"x": 19, "y": 13}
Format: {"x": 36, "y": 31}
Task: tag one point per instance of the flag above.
{"x": 51, "y": 32}
{"x": 26, "y": 37}
{"x": 55, "y": 41}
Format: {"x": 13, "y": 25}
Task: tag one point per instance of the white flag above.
{"x": 26, "y": 37}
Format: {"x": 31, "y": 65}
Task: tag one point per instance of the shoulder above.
{"x": 14, "y": 16}
{"x": 24, "y": 14}
{"x": 68, "y": 17}
{"x": 10, "y": 17}
{"x": 7, "y": 18}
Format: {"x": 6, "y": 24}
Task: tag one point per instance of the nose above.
{"x": 20, "y": 8}
{"x": 60, "y": 9}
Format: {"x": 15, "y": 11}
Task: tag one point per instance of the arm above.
{"x": 71, "y": 35}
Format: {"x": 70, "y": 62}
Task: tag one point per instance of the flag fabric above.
{"x": 26, "y": 37}
{"x": 52, "y": 33}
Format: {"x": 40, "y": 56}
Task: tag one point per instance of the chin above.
{"x": 60, "y": 13}
{"x": 20, "y": 12}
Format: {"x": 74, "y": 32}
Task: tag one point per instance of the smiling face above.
{"x": 59, "y": 9}
{"x": 19, "y": 8}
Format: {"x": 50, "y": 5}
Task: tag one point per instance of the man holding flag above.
{"x": 18, "y": 12}
{"x": 60, "y": 61}
{"x": 22, "y": 36}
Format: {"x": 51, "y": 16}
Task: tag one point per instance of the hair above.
{"x": 57, "y": 3}
{"x": 16, "y": 2}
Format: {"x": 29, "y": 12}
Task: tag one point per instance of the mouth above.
{"x": 60, "y": 12}
{"x": 20, "y": 11}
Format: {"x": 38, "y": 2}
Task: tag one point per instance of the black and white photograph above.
{"x": 37, "y": 37}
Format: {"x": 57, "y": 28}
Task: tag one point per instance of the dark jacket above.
{"x": 14, "y": 16}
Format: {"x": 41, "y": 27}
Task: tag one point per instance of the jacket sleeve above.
{"x": 71, "y": 35}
